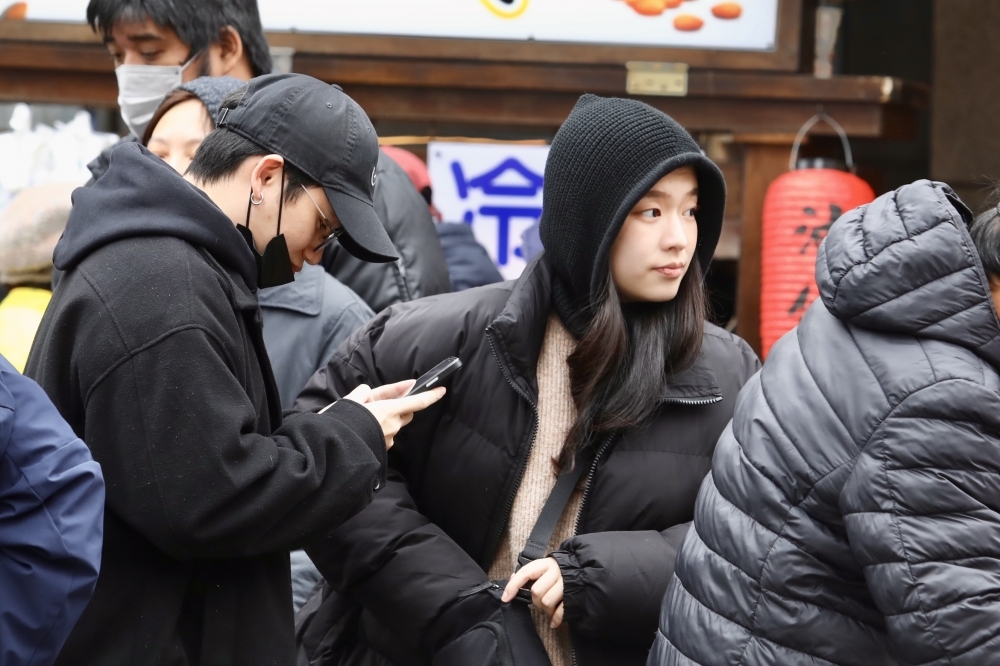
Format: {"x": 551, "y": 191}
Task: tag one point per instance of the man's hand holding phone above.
{"x": 392, "y": 407}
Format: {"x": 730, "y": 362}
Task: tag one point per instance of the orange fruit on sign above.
{"x": 688, "y": 23}
{"x": 648, "y": 7}
{"x": 727, "y": 10}
{"x": 15, "y": 12}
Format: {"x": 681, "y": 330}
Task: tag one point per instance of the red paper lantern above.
{"x": 799, "y": 208}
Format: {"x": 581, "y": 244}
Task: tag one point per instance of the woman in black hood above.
{"x": 598, "y": 361}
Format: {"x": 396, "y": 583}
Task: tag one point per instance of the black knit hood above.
{"x": 608, "y": 153}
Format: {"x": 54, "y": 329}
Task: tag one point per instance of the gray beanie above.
{"x": 211, "y": 90}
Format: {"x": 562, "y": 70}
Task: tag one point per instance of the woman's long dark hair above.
{"x": 618, "y": 368}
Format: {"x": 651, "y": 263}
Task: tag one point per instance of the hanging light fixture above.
{"x": 799, "y": 208}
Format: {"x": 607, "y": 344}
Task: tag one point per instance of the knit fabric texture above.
{"x": 608, "y": 153}
{"x": 556, "y": 413}
{"x": 211, "y": 90}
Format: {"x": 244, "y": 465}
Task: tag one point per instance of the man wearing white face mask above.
{"x": 192, "y": 38}
{"x": 159, "y": 44}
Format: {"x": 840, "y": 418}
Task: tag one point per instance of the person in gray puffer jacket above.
{"x": 852, "y": 515}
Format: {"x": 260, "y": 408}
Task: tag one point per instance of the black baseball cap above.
{"x": 323, "y": 132}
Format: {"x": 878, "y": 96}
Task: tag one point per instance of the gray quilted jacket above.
{"x": 852, "y": 515}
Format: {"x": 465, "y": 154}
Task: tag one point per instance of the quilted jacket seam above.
{"x": 767, "y": 403}
{"x": 767, "y": 557}
{"x": 370, "y": 334}
{"x": 902, "y": 545}
{"x": 772, "y": 591}
{"x": 923, "y": 350}
{"x": 751, "y": 635}
{"x": 911, "y": 291}
{"x": 868, "y": 258}
{"x": 943, "y": 606}
{"x": 868, "y": 364}
{"x": 954, "y": 314}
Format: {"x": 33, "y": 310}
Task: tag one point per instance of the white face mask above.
{"x": 141, "y": 90}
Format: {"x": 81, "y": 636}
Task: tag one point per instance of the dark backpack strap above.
{"x": 538, "y": 541}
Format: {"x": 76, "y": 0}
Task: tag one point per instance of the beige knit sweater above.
{"x": 556, "y": 414}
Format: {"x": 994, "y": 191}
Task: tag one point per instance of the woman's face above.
{"x": 656, "y": 245}
{"x": 176, "y": 138}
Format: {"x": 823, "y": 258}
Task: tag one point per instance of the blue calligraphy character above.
{"x": 504, "y": 215}
{"x": 487, "y": 182}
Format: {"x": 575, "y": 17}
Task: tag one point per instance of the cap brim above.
{"x": 366, "y": 238}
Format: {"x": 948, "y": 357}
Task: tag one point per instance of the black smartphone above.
{"x": 436, "y": 375}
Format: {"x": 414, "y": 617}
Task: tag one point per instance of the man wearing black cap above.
{"x": 152, "y": 350}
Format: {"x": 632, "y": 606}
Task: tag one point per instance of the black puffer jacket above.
{"x": 421, "y": 269}
{"x": 455, "y": 469}
{"x": 853, "y": 510}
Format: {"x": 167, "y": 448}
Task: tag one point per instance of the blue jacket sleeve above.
{"x": 51, "y": 523}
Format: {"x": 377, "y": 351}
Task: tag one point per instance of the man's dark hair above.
{"x": 222, "y": 153}
{"x": 196, "y": 22}
{"x": 986, "y": 237}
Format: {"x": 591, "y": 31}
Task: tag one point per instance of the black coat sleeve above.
{"x": 404, "y": 569}
{"x": 174, "y": 431}
{"x": 613, "y": 582}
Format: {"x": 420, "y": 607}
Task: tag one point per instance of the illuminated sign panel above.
{"x": 700, "y": 24}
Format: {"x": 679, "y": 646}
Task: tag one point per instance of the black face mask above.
{"x": 274, "y": 267}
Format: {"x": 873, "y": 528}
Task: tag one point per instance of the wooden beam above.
{"x": 546, "y": 111}
{"x": 57, "y": 57}
{"x": 49, "y": 32}
{"x": 763, "y": 162}
{"x": 463, "y": 74}
{"x": 85, "y": 88}
{"x": 604, "y": 79}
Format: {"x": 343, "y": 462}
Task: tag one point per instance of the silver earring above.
{"x": 256, "y": 203}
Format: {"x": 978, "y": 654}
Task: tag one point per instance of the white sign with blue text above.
{"x": 496, "y": 188}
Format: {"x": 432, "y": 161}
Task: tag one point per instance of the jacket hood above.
{"x": 140, "y": 195}
{"x": 906, "y": 264}
{"x": 605, "y": 157}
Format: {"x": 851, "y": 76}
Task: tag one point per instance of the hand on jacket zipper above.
{"x": 390, "y": 409}
{"x": 546, "y": 591}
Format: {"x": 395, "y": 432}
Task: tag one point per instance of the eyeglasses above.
{"x": 336, "y": 232}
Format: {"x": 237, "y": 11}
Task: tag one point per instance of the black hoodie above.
{"x": 152, "y": 350}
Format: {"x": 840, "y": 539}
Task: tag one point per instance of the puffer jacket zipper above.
{"x": 522, "y": 462}
{"x": 597, "y": 459}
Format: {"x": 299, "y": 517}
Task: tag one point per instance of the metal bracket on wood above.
{"x": 669, "y": 79}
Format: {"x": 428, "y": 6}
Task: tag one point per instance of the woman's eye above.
{"x": 691, "y": 211}
{"x": 652, "y": 212}
{"x": 152, "y": 55}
